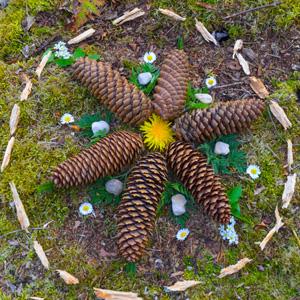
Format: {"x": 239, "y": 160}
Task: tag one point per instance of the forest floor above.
{"x": 86, "y": 246}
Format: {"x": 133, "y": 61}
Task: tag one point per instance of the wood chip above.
{"x": 270, "y": 234}
{"x": 42, "y": 64}
{"x": 115, "y": 295}
{"x": 289, "y": 190}
{"x": 82, "y": 36}
{"x": 258, "y": 87}
{"x": 280, "y": 115}
{"x": 21, "y": 213}
{"x": 129, "y": 16}
{"x": 171, "y": 14}
{"x": 7, "y": 154}
{"x": 27, "y": 89}
{"x": 290, "y": 159}
{"x": 67, "y": 277}
{"x": 238, "y": 45}
{"x": 205, "y": 33}
{"x": 14, "y": 119}
{"x": 181, "y": 286}
{"x": 41, "y": 254}
{"x": 234, "y": 268}
{"x": 243, "y": 63}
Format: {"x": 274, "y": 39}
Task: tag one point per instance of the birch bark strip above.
{"x": 21, "y": 213}
{"x": 205, "y": 33}
{"x": 181, "y": 286}
{"x": 41, "y": 254}
{"x": 280, "y": 115}
{"x": 14, "y": 119}
{"x": 7, "y": 154}
{"x": 171, "y": 14}
{"x": 238, "y": 45}
{"x": 42, "y": 64}
{"x": 27, "y": 89}
{"x": 129, "y": 16}
{"x": 67, "y": 277}
{"x": 115, "y": 295}
{"x": 290, "y": 158}
{"x": 243, "y": 63}
{"x": 234, "y": 268}
{"x": 82, "y": 36}
{"x": 289, "y": 190}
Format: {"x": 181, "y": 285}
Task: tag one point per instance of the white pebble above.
{"x": 178, "y": 204}
{"x": 204, "y": 98}
{"x": 100, "y": 125}
{"x": 144, "y": 78}
{"x": 222, "y": 148}
{"x": 114, "y": 186}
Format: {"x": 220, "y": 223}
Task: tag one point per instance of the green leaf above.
{"x": 180, "y": 43}
{"x": 78, "y": 53}
{"x": 45, "y": 187}
{"x": 130, "y": 269}
{"x": 94, "y": 56}
{"x": 63, "y": 63}
{"x": 234, "y": 195}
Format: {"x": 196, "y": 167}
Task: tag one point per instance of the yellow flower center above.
{"x": 211, "y": 81}
{"x": 158, "y": 134}
{"x": 67, "y": 118}
{"x": 149, "y": 57}
{"x": 253, "y": 171}
{"x": 183, "y": 234}
{"x": 85, "y": 208}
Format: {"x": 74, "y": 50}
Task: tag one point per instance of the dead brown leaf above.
{"x": 181, "y": 286}
{"x": 7, "y": 153}
{"x": 289, "y": 190}
{"x": 41, "y": 254}
{"x": 67, "y": 277}
{"x": 115, "y": 295}
{"x": 258, "y": 87}
{"x": 270, "y": 234}
{"x": 280, "y": 115}
{"x": 21, "y": 213}
{"x": 234, "y": 268}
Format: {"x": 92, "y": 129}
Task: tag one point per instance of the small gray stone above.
{"x": 114, "y": 186}
{"x": 158, "y": 263}
{"x": 178, "y": 204}
{"x": 221, "y": 148}
{"x": 204, "y": 98}
{"x": 100, "y": 125}
{"x": 144, "y": 78}
{"x": 249, "y": 53}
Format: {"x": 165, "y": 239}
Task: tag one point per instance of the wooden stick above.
{"x": 253, "y": 9}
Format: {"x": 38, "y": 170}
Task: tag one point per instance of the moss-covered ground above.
{"x": 85, "y": 247}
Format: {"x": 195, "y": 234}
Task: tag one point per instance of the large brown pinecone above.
{"x": 170, "y": 91}
{"x": 137, "y": 210}
{"x": 202, "y": 125}
{"x": 108, "y": 156}
{"x": 124, "y": 99}
{"x": 192, "y": 169}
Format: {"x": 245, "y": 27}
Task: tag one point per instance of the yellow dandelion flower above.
{"x": 157, "y": 133}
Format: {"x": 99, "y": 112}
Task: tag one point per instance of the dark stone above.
{"x": 3, "y": 3}
{"x": 221, "y": 35}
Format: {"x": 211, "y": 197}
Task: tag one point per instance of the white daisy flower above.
{"x": 182, "y": 234}
{"x": 229, "y": 233}
{"x": 149, "y": 57}
{"x": 86, "y": 208}
{"x": 66, "y": 119}
{"x": 211, "y": 82}
{"x": 253, "y": 171}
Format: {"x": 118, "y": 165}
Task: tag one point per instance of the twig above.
{"x": 253, "y": 9}
{"x": 19, "y": 230}
{"x": 227, "y": 85}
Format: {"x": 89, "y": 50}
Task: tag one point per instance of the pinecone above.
{"x": 108, "y": 156}
{"x": 192, "y": 169}
{"x": 202, "y": 125}
{"x": 170, "y": 91}
{"x": 137, "y": 210}
{"x": 129, "y": 104}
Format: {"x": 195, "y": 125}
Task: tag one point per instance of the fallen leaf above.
{"x": 277, "y": 226}
{"x": 42, "y": 64}
{"x": 290, "y": 159}
{"x": 289, "y": 190}
{"x": 234, "y": 268}
{"x": 7, "y": 153}
{"x": 14, "y": 119}
{"x": 41, "y": 254}
{"x": 205, "y": 33}
{"x": 67, "y": 277}
{"x": 129, "y": 16}
{"x": 84, "y": 35}
{"x": 21, "y": 213}
{"x": 280, "y": 115}
{"x": 115, "y": 295}
{"x": 181, "y": 286}
{"x": 238, "y": 45}
{"x": 171, "y": 14}
{"x": 27, "y": 89}
{"x": 243, "y": 63}
{"x": 258, "y": 87}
